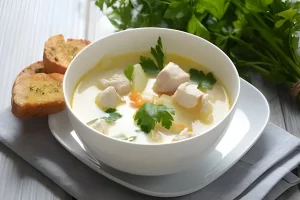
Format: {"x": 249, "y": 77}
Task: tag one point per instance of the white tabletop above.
{"x": 24, "y": 27}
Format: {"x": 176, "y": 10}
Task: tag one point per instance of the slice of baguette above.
{"x": 58, "y": 53}
{"x": 37, "y": 94}
{"x": 34, "y": 68}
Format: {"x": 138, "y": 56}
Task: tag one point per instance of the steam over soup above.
{"x": 150, "y": 97}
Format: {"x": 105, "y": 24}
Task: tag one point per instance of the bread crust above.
{"x": 37, "y": 67}
{"x": 37, "y": 90}
{"x": 58, "y": 52}
{"x": 36, "y": 94}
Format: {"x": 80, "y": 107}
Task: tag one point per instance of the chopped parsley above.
{"x": 150, "y": 114}
{"x": 111, "y": 110}
{"x": 92, "y": 121}
{"x": 130, "y": 139}
{"x": 204, "y": 81}
{"x": 112, "y": 116}
{"x": 148, "y": 64}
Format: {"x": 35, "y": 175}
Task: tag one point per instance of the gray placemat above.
{"x": 263, "y": 172}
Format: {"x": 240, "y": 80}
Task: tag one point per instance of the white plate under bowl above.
{"x": 249, "y": 120}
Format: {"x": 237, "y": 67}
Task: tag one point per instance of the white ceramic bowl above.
{"x": 156, "y": 159}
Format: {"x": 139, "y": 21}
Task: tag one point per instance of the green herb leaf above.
{"x": 288, "y": 14}
{"x": 148, "y": 65}
{"x": 128, "y": 72}
{"x": 158, "y": 54}
{"x": 100, "y": 4}
{"x": 216, "y": 8}
{"x": 241, "y": 21}
{"x": 197, "y": 28}
{"x": 112, "y": 117}
{"x": 257, "y": 35}
{"x": 258, "y": 5}
{"x": 92, "y": 121}
{"x": 150, "y": 114}
{"x": 130, "y": 139}
{"x": 111, "y": 110}
{"x": 221, "y": 41}
{"x": 204, "y": 81}
{"x": 279, "y": 23}
{"x": 276, "y": 75}
{"x": 176, "y": 15}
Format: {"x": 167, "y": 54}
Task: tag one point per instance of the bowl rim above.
{"x": 233, "y": 105}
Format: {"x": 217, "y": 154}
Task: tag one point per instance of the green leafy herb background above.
{"x": 258, "y": 35}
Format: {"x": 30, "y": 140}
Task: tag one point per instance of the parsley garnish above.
{"x": 150, "y": 114}
{"x": 92, "y": 121}
{"x": 113, "y": 115}
{"x": 111, "y": 110}
{"x": 204, "y": 81}
{"x": 130, "y": 139}
{"x": 148, "y": 65}
{"x": 128, "y": 72}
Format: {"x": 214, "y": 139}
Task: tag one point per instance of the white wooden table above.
{"x": 24, "y": 27}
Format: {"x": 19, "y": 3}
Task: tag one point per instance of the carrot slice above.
{"x": 137, "y": 99}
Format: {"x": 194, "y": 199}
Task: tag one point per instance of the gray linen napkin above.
{"x": 263, "y": 172}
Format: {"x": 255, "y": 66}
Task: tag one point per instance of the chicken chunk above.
{"x": 185, "y": 134}
{"x": 170, "y": 78}
{"x": 118, "y": 81}
{"x": 155, "y": 136}
{"x": 101, "y": 126}
{"x": 108, "y": 98}
{"x": 188, "y": 95}
{"x": 205, "y": 104}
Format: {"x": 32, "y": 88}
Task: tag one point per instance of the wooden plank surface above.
{"x": 291, "y": 112}
{"x": 20, "y": 181}
{"x": 25, "y": 25}
{"x": 271, "y": 94}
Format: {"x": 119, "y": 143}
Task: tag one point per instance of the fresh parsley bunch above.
{"x": 258, "y": 35}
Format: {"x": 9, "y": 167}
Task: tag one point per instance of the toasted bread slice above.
{"x": 37, "y": 95}
{"x": 34, "y": 68}
{"x": 58, "y": 53}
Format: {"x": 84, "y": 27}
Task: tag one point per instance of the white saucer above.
{"x": 249, "y": 120}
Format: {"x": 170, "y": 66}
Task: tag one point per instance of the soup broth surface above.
{"x": 85, "y": 108}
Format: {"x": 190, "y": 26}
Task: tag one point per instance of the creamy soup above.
{"x": 126, "y": 98}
